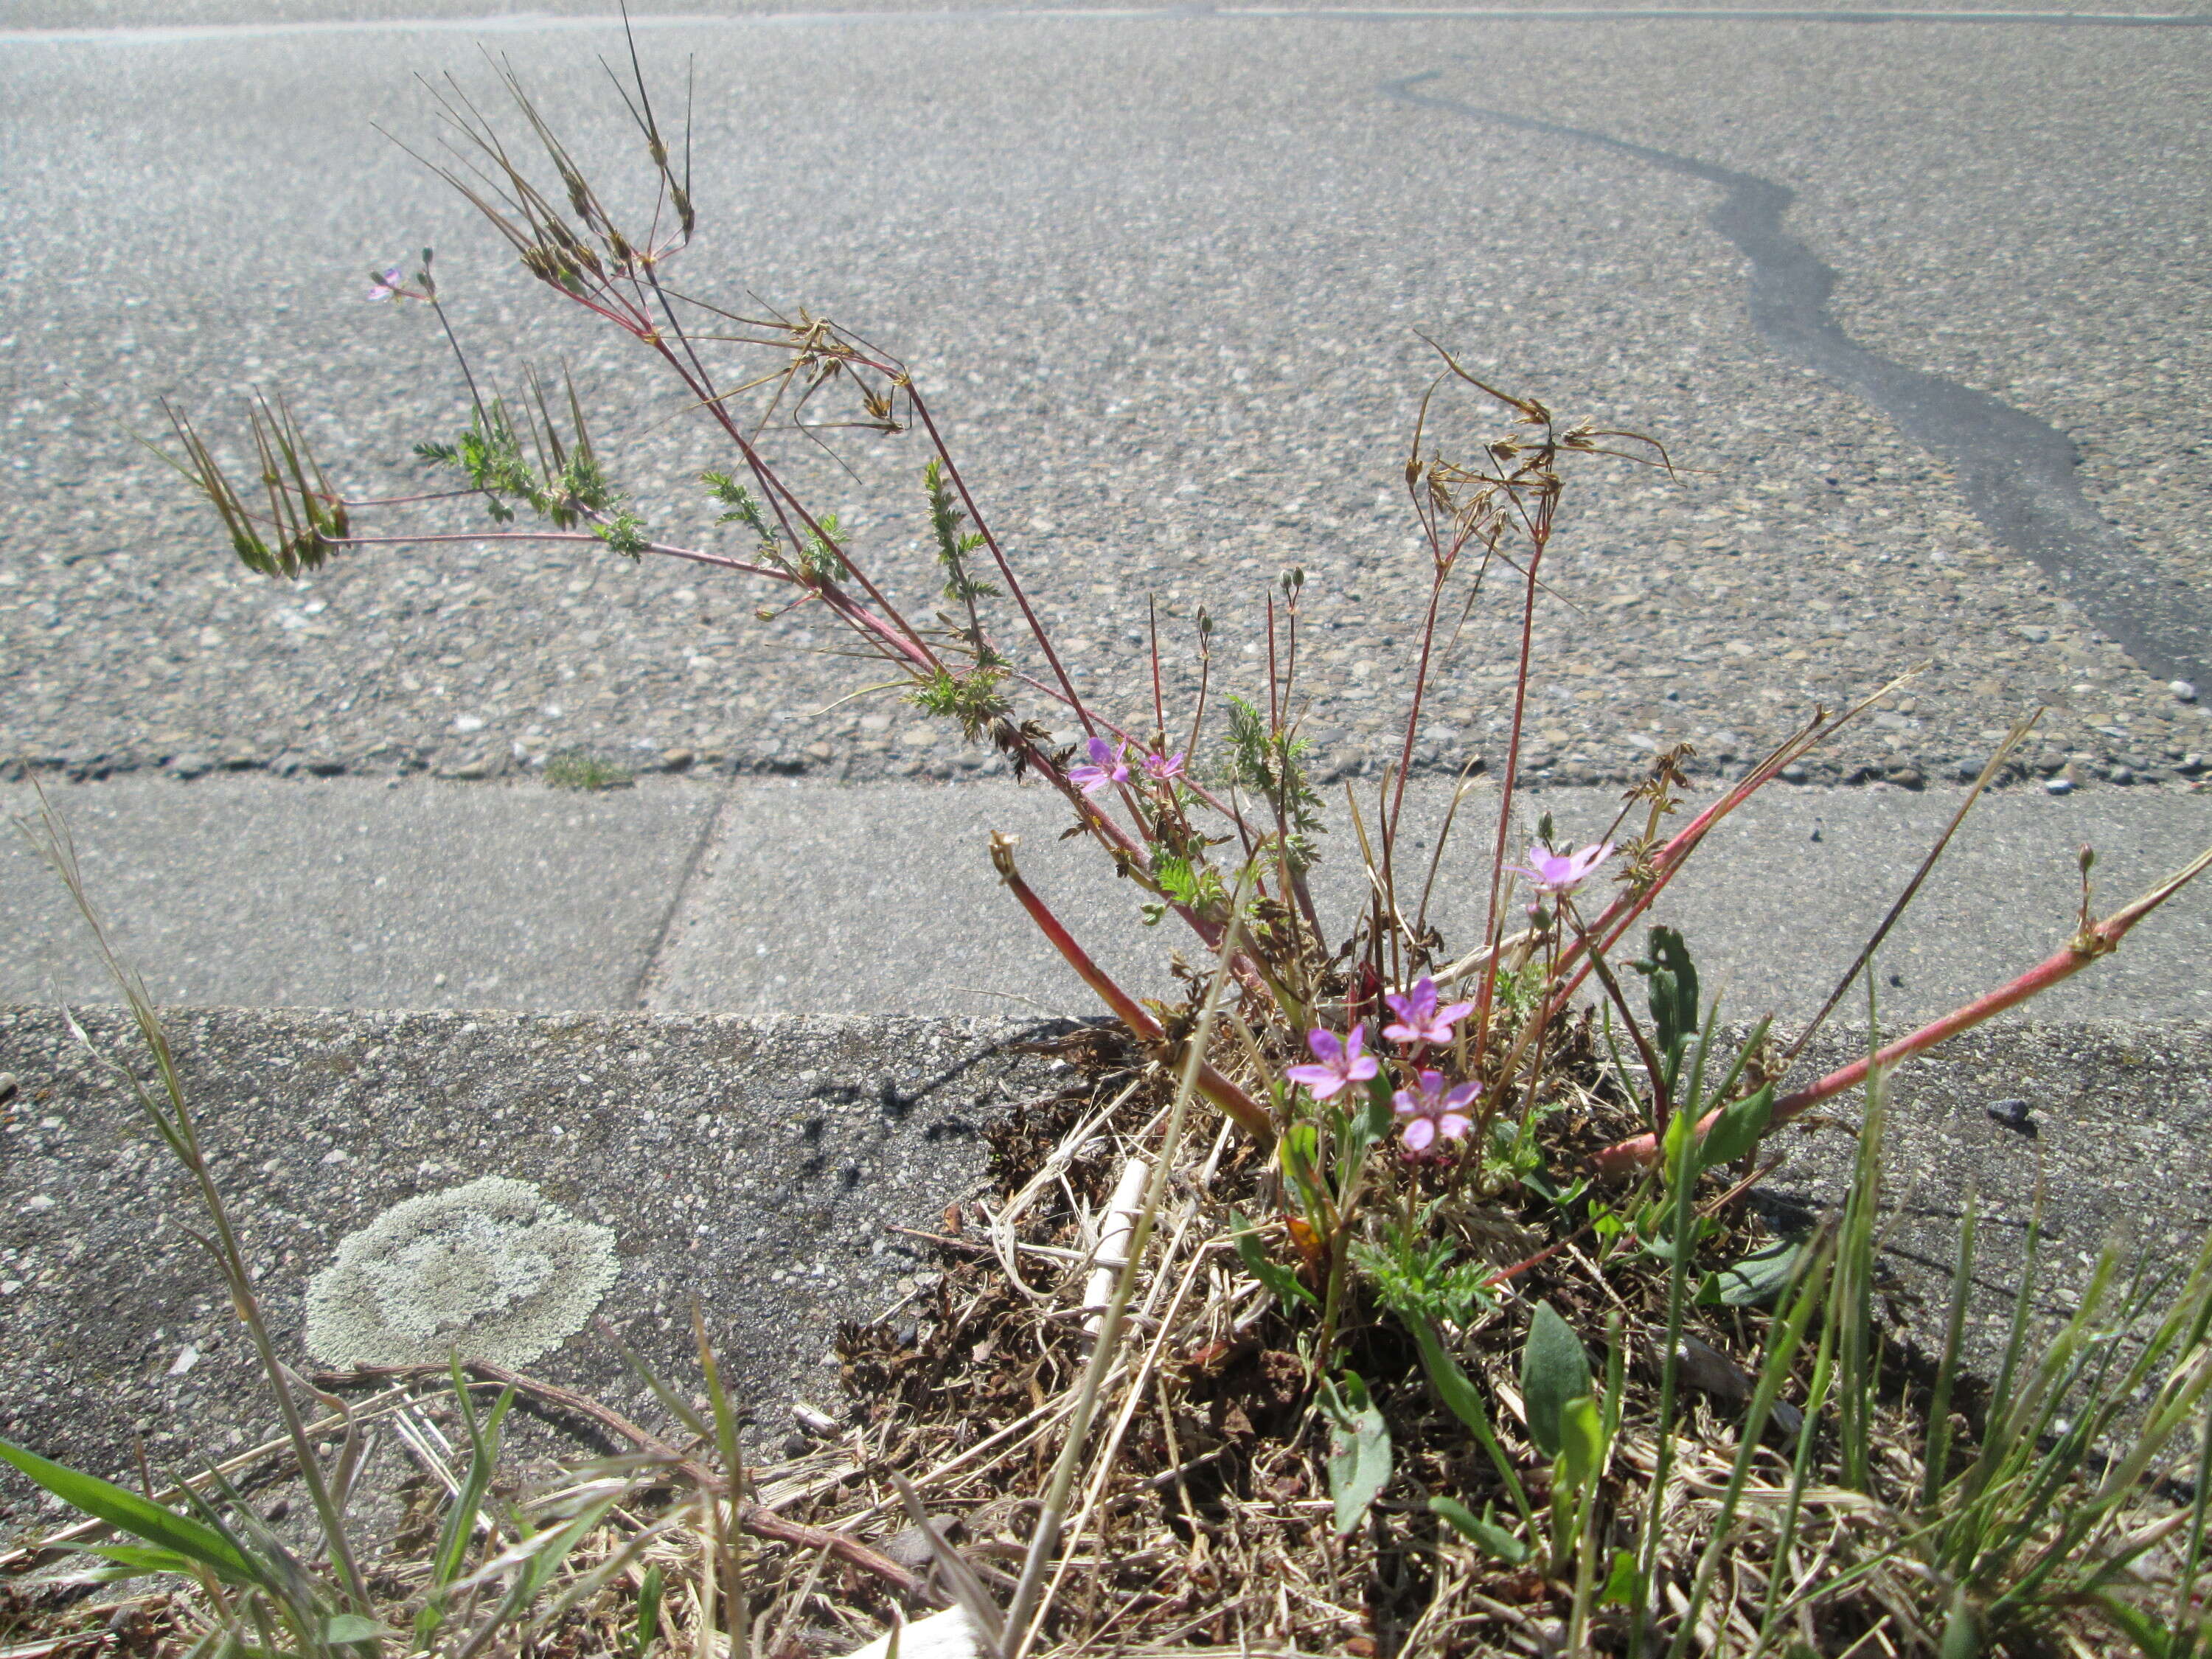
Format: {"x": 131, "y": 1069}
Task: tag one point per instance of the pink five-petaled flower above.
{"x": 1420, "y": 1019}
{"x": 1560, "y": 873}
{"x": 1109, "y": 764}
{"x": 1161, "y": 768}
{"x": 385, "y": 287}
{"x": 1342, "y": 1062}
{"x": 1430, "y": 1112}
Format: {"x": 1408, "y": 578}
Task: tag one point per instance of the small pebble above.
{"x": 2058, "y": 786}
{"x": 2013, "y": 1115}
{"x": 2183, "y": 691}
{"x": 8, "y": 1087}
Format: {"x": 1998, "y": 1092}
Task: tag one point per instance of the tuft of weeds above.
{"x": 580, "y": 769}
{"x": 1386, "y": 1294}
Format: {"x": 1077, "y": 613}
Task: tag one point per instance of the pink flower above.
{"x": 1340, "y": 1063}
{"x": 1420, "y": 1019}
{"x": 1161, "y": 768}
{"x": 1109, "y": 764}
{"x": 389, "y": 284}
{"x": 1560, "y": 873}
{"x": 1430, "y": 1112}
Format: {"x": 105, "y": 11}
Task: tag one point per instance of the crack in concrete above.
{"x": 640, "y": 992}
{"x": 2016, "y": 473}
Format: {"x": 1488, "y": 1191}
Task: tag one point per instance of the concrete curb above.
{"x": 751, "y": 1164}
{"x": 755, "y": 1164}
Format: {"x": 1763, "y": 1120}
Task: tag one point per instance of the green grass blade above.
{"x": 1457, "y": 1390}
{"x": 1785, "y": 1337}
{"x": 2192, "y": 1556}
{"x": 483, "y": 1461}
{"x": 140, "y": 1517}
{"x": 1937, "y": 1452}
{"x": 1485, "y": 1535}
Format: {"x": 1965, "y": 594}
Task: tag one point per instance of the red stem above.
{"x": 1014, "y": 588}
{"x": 1420, "y": 687}
{"x": 1215, "y": 1087}
{"x": 1489, "y": 985}
{"x": 716, "y": 559}
{"x": 2099, "y": 939}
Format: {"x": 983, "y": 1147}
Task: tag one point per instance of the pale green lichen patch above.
{"x": 491, "y": 1269}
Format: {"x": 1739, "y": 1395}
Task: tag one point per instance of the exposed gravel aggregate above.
{"x": 1166, "y": 279}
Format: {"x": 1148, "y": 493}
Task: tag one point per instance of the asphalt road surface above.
{"x": 1916, "y": 299}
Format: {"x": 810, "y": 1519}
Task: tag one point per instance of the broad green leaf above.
{"x": 648, "y": 1613}
{"x": 1359, "y": 1449}
{"x": 1756, "y": 1279}
{"x": 1581, "y": 1441}
{"x": 1539, "y": 1180}
{"x": 1739, "y": 1127}
{"x": 1284, "y": 1282}
{"x": 1674, "y": 987}
{"x": 1299, "y": 1150}
{"x": 1553, "y": 1370}
{"x": 1453, "y": 1385}
{"x": 1624, "y": 1585}
{"x": 1671, "y": 1144}
{"x": 1661, "y": 1245}
{"x": 1375, "y": 1123}
{"x": 120, "y": 1507}
{"x": 1481, "y": 1531}
{"x": 345, "y": 1629}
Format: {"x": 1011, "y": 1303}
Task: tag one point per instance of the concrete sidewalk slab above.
{"x": 814, "y": 897}
{"x": 755, "y": 1164}
{"x": 824, "y": 898}
{"x": 346, "y": 892}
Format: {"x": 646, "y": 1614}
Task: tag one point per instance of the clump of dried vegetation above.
{"x": 1293, "y": 1329}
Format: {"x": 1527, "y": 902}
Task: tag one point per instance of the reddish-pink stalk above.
{"x": 701, "y": 386}
{"x": 1014, "y": 588}
{"x": 1159, "y": 704}
{"x": 1420, "y": 687}
{"x": 1620, "y": 916}
{"x": 403, "y": 500}
{"x": 1487, "y": 988}
{"x": 1215, "y": 1087}
{"x": 2098, "y": 940}
{"x": 696, "y": 557}
{"x": 1274, "y": 687}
